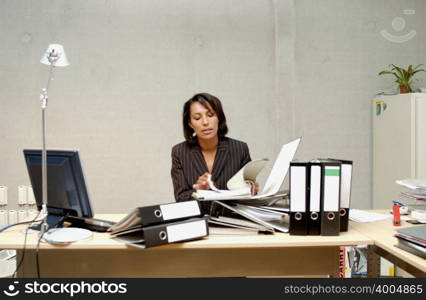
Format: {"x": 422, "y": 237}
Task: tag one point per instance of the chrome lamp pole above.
{"x": 54, "y": 57}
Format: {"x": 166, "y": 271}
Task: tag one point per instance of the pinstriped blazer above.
{"x": 188, "y": 164}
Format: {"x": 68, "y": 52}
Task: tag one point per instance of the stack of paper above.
{"x": 414, "y": 193}
{"x": 262, "y": 219}
{"x": 253, "y": 212}
{"x": 413, "y": 184}
{"x": 413, "y": 240}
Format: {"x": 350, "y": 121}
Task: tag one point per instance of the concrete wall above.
{"x": 282, "y": 69}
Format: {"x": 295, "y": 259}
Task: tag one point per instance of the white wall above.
{"x": 282, "y": 69}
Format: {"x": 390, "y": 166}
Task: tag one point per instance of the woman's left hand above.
{"x": 254, "y": 187}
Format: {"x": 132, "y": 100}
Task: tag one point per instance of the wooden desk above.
{"x": 384, "y": 241}
{"x": 215, "y": 256}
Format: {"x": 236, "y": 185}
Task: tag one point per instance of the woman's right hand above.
{"x": 202, "y": 182}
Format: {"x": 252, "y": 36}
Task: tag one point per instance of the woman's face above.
{"x": 204, "y": 121}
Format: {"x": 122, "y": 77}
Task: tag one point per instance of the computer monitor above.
{"x": 66, "y": 188}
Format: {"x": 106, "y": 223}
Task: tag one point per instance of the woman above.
{"x": 206, "y": 151}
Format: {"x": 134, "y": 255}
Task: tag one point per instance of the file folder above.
{"x": 145, "y": 237}
{"x": 158, "y": 214}
{"x": 330, "y": 198}
{"x": 345, "y": 194}
{"x": 299, "y": 195}
{"x": 168, "y": 212}
{"x": 314, "y": 217}
{"x": 345, "y": 191}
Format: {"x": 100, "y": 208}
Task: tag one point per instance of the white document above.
{"x": 280, "y": 168}
{"x": 272, "y": 185}
{"x": 361, "y": 216}
{"x": 248, "y": 172}
{"x": 237, "y": 185}
{"x": 217, "y": 194}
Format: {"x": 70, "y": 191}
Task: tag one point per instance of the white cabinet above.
{"x": 399, "y": 144}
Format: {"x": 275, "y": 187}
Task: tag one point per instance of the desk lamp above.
{"x": 53, "y": 57}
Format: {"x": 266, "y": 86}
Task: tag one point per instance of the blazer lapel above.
{"x": 220, "y": 159}
{"x": 198, "y": 160}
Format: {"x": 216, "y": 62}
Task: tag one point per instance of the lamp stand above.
{"x": 44, "y": 97}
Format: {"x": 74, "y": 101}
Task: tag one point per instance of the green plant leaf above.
{"x": 419, "y": 70}
{"x": 403, "y": 77}
{"x": 416, "y": 67}
{"x": 388, "y": 72}
{"x": 399, "y": 70}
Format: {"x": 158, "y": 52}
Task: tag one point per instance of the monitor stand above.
{"x": 54, "y": 221}
{"x": 57, "y": 221}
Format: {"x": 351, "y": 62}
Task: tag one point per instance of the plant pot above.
{"x": 403, "y": 89}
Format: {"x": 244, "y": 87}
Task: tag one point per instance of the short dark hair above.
{"x": 203, "y": 99}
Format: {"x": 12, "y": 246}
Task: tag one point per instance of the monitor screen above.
{"x": 66, "y": 187}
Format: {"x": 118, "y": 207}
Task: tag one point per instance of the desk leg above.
{"x": 373, "y": 265}
{"x": 28, "y": 267}
{"x": 377, "y": 252}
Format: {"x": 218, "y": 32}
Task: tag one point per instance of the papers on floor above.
{"x": 361, "y": 216}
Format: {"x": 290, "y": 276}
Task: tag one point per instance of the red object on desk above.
{"x": 396, "y": 215}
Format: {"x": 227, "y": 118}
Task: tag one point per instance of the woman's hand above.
{"x": 202, "y": 182}
{"x": 254, "y": 187}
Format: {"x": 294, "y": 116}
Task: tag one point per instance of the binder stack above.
{"x": 320, "y": 193}
{"x": 155, "y": 225}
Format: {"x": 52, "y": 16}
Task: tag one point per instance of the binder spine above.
{"x": 314, "y": 217}
{"x": 345, "y": 194}
{"x": 151, "y": 215}
{"x": 158, "y": 214}
{"x": 330, "y": 199}
{"x": 175, "y": 232}
{"x": 299, "y": 195}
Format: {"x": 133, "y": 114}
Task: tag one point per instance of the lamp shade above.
{"x": 55, "y": 55}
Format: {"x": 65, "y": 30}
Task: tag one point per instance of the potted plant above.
{"x": 403, "y": 76}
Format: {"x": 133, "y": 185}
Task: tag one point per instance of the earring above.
{"x": 194, "y": 134}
